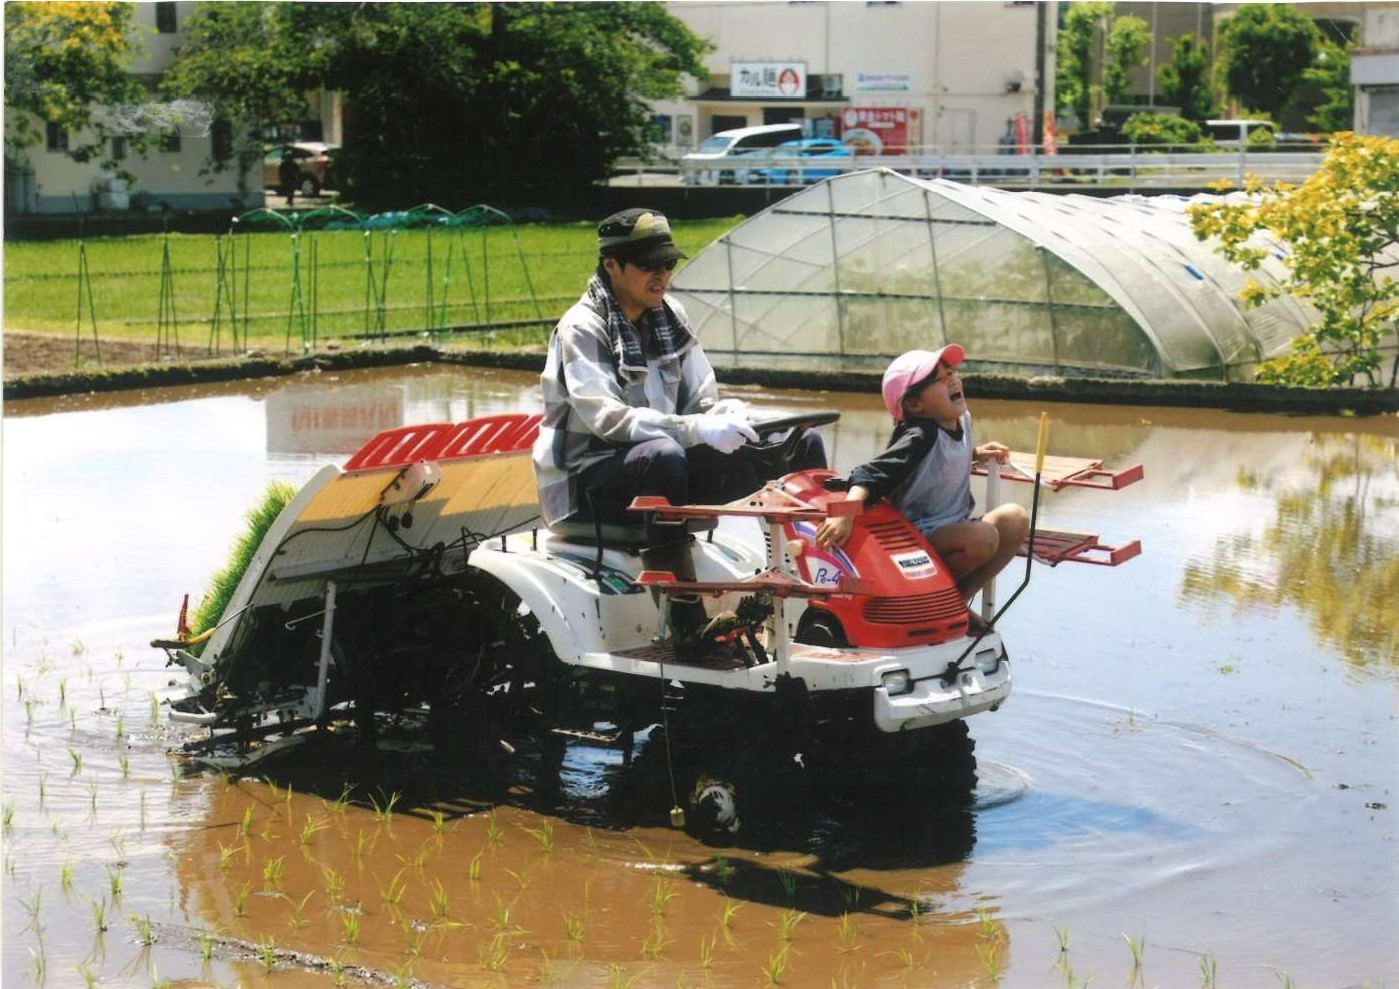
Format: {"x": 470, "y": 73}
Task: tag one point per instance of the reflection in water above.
{"x": 1330, "y": 549}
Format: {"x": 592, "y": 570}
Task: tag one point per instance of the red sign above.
{"x": 876, "y": 130}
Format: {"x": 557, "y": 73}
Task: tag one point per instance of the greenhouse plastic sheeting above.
{"x": 857, "y": 269}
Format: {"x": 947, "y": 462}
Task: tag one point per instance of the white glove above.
{"x": 726, "y": 433}
{"x": 728, "y": 406}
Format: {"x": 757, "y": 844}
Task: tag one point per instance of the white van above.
{"x": 719, "y": 160}
{"x": 1234, "y": 133}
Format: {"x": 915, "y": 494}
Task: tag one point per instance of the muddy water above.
{"x": 1198, "y": 764}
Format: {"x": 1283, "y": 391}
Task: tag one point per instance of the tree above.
{"x": 453, "y": 103}
{"x": 1264, "y": 49}
{"x": 1185, "y": 79}
{"x": 1331, "y": 74}
{"x": 1126, "y": 48}
{"x": 64, "y": 62}
{"x": 1073, "y": 70}
{"x": 1335, "y": 228}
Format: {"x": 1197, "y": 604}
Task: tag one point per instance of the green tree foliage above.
{"x": 1128, "y": 42}
{"x": 62, "y": 62}
{"x": 453, "y": 103}
{"x": 1335, "y": 228}
{"x": 1185, "y": 79}
{"x": 1073, "y": 71}
{"x": 1331, "y": 74}
{"x": 1264, "y": 49}
{"x": 1161, "y": 129}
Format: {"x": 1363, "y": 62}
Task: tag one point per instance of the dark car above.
{"x": 314, "y": 161}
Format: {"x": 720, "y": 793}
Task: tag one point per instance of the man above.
{"x": 631, "y": 406}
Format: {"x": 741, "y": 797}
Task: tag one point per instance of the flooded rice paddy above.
{"x": 1193, "y": 783}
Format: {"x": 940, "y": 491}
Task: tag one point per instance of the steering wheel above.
{"x": 779, "y": 433}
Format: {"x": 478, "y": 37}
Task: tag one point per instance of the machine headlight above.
{"x": 897, "y": 682}
{"x": 988, "y": 660}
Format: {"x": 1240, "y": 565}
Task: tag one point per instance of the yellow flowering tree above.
{"x": 1336, "y": 227}
{"x": 63, "y": 61}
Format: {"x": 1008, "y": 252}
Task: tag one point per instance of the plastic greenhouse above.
{"x": 861, "y": 267}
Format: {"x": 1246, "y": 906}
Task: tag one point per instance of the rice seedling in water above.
{"x": 384, "y": 812}
{"x": 850, "y": 896}
{"x": 987, "y": 920}
{"x": 419, "y": 855}
{"x": 990, "y": 954}
{"x": 309, "y": 829}
{"x": 848, "y": 933}
{"x": 125, "y": 763}
{"x": 591, "y": 841}
{"x": 706, "y": 952}
{"x": 86, "y": 973}
{"x": 521, "y": 878}
{"x": 92, "y": 795}
{"x": 441, "y": 902}
{"x": 403, "y": 978}
{"x": 1209, "y": 970}
{"x": 617, "y": 977}
{"x": 544, "y": 835}
{"x": 8, "y": 815}
{"x": 1062, "y": 933}
{"x": 473, "y": 871}
{"x": 439, "y": 820}
{"x": 1287, "y": 981}
{"x": 349, "y": 926}
{"x": 77, "y": 758}
{"x": 776, "y": 965}
{"x": 114, "y": 881}
{"x": 272, "y": 870}
{"x": 414, "y": 936}
{"x": 65, "y": 877}
{"x": 240, "y": 901}
{"x": 656, "y": 940}
{"x": 1136, "y": 948}
{"x": 363, "y": 843}
{"x": 77, "y": 648}
{"x": 788, "y": 880}
{"x": 494, "y": 954}
{"x": 501, "y": 920}
{"x": 145, "y": 930}
{"x": 226, "y": 853}
{"x": 143, "y": 808}
{"x": 206, "y": 945}
{"x": 267, "y": 951}
{"x": 155, "y": 710}
{"x": 392, "y": 894}
{"x": 32, "y": 907}
{"x": 298, "y": 909}
{"x": 788, "y": 924}
{"x": 340, "y": 803}
{"x": 573, "y": 926}
{"x": 661, "y": 894}
{"x": 333, "y": 881}
{"x": 548, "y": 970}
{"x": 728, "y": 911}
{"x": 121, "y": 726}
{"x": 40, "y": 965}
{"x": 245, "y": 828}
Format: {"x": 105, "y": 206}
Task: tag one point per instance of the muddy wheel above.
{"x": 501, "y": 681}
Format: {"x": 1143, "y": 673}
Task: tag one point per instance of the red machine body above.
{"x": 911, "y": 600}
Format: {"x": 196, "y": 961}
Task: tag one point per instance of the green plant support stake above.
{"x": 167, "y": 332}
{"x": 84, "y": 291}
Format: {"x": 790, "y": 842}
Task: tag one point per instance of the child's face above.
{"x": 940, "y": 398}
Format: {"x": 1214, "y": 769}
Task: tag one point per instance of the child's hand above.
{"x": 834, "y": 532}
{"x": 993, "y": 451}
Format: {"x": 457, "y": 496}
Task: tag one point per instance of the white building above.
{"x": 935, "y": 75}
{"x": 174, "y": 171}
{"x": 1374, "y": 70}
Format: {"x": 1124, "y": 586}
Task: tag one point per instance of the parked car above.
{"x": 313, "y": 164}
{"x": 727, "y": 156}
{"x": 827, "y": 156}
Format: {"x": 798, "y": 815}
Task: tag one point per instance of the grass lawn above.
{"x": 278, "y": 293}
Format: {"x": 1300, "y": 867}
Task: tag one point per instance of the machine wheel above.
{"x": 502, "y": 680}
{"x": 309, "y": 186}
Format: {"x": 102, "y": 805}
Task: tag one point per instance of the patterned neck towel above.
{"x": 672, "y": 338}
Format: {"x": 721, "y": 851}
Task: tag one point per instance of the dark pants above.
{"x": 700, "y": 475}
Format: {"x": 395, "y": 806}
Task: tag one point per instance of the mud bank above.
{"x": 1233, "y": 396}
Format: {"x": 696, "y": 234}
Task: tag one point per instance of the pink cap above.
{"x": 910, "y": 369}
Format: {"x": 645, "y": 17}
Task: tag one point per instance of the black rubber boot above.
{"x": 687, "y": 615}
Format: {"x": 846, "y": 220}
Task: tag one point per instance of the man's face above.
{"x": 636, "y": 288}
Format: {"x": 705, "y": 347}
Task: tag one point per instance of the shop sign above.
{"x": 883, "y": 82}
{"x": 768, "y": 80}
{"x": 881, "y": 130}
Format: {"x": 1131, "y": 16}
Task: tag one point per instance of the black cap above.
{"x": 637, "y": 235}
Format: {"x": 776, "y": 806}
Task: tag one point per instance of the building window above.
{"x": 55, "y": 137}
{"x": 170, "y": 140}
{"x": 221, "y": 138}
{"x": 165, "y": 18}
{"x": 118, "y": 149}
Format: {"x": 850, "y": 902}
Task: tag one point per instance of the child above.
{"x": 926, "y": 472}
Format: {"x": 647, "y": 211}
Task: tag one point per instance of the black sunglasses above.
{"x": 652, "y": 269}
